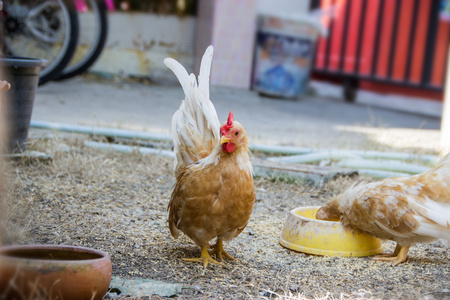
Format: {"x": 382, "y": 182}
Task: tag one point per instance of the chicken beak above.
{"x": 224, "y": 139}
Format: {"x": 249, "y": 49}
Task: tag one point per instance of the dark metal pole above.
{"x": 344, "y": 37}
{"x": 433, "y": 23}
{"x": 362, "y": 26}
{"x": 394, "y": 38}
{"x": 377, "y": 39}
{"x": 329, "y": 40}
{"x": 412, "y": 38}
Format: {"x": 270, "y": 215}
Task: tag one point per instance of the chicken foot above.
{"x": 204, "y": 258}
{"x": 219, "y": 251}
{"x": 392, "y": 254}
{"x": 399, "y": 255}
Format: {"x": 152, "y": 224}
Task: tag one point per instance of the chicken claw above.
{"x": 219, "y": 251}
{"x": 387, "y": 254}
{"x": 204, "y": 258}
{"x": 399, "y": 255}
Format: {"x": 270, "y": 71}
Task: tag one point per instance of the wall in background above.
{"x": 137, "y": 44}
{"x": 139, "y": 41}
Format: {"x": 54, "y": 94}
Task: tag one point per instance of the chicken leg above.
{"x": 204, "y": 258}
{"x": 399, "y": 255}
{"x": 219, "y": 251}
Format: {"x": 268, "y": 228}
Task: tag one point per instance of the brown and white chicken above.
{"x": 407, "y": 210}
{"x": 214, "y": 193}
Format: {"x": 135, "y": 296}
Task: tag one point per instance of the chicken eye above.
{"x": 236, "y": 133}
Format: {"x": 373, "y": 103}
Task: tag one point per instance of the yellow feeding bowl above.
{"x": 303, "y": 232}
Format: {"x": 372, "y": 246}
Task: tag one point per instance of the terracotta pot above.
{"x": 53, "y": 272}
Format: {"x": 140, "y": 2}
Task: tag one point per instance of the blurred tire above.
{"x": 45, "y": 29}
{"x": 93, "y": 34}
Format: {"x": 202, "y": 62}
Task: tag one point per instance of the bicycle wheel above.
{"x": 93, "y": 33}
{"x": 45, "y": 29}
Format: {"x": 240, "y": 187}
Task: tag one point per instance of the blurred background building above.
{"x": 395, "y": 46}
{"x": 143, "y": 33}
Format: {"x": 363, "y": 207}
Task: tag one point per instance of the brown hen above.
{"x": 214, "y": 193}
{"x": 407, "y": 210}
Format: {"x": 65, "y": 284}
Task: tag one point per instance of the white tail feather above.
{"x": 434, "y": 211}
{"x": 432, "y": 230}
{"x": 205, "y": 69}
{"x": 180, "y": 72}
{"x": 195, "y": 125}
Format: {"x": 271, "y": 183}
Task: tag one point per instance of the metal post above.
{"x": 445, "y": 124}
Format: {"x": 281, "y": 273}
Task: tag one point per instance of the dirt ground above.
{"x": 117, "y": 203}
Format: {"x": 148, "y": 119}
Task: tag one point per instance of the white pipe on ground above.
{"x": 129, "y": 149}
{"x": 279, "y": 149}
{"x": 394, "y": 166}
{"x": 109, "y": 132}
{"x": 319, "y": 155}
{"x": 313, "y": 157}
{"x": 309, "y": 154}
{"x": 381, "y": 174}
{"x": 170, "y": 154}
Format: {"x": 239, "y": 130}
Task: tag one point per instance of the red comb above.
{"x": 230, "y": 119}
{"x": 226, "y": 127}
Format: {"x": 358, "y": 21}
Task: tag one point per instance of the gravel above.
{"x": 117, "y": 203}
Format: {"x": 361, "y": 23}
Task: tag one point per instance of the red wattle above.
{"x": 229, "y": 147}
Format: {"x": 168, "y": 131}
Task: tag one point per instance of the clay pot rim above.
{"x": 103, "y": 255}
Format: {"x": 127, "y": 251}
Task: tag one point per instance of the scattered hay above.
{"x": 117, "y": 203}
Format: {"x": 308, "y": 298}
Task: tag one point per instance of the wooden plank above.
{"x": 310, "y": 173}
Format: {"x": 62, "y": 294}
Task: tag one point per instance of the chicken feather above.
{"x": 195, "y": 124}
{"x": 205, "y": 69}
{"x": 214, "y": 193}
{"x": 407, "y": 210}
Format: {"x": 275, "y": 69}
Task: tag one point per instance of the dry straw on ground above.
{"x": 117, "y": 203}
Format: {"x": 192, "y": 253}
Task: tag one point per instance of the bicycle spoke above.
{"x": 45, "y": 29}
